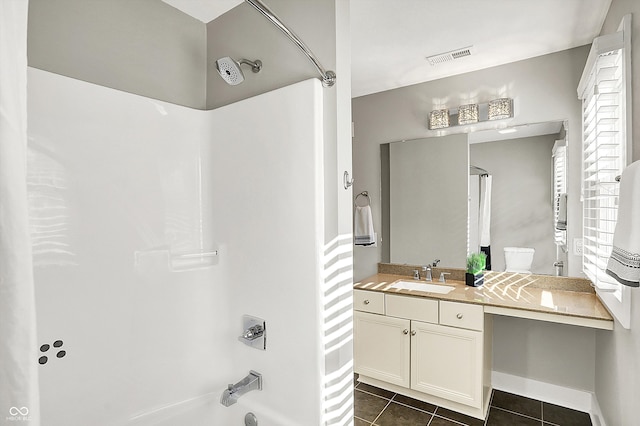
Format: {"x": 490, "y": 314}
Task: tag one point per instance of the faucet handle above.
{"x": 442, "y": 276}
{"x": 416, "y": 274}
{"x": 435, "y": 262}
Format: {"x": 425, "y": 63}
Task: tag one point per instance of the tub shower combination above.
{"x": 145, "y": 275}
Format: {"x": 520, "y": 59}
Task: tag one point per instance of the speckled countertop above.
{"x": 507, "y": 290}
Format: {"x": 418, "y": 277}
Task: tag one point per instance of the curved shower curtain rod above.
{"x": 328, "y": 77}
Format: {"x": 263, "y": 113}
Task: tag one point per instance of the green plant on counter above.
{"x": 476, "y": 263}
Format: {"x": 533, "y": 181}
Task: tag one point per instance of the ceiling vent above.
{"x": 450, "y": 56}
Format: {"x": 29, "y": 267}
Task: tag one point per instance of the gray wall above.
{"x": 257, "y": 38}
{"x": 144, "y": 47}
{"x": 521, "y": 205}
{"x": 429, "y": 181}
{"x": 149, "y": 48}
{"x": 551, "y": 353}
{"x": 544, "y": 89}
{"x": 618, "y": 351}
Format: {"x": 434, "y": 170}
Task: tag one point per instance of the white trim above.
{"x": 559, "y": 395}
{"x": 625, "y": 27}
{"x": 601, "y": 324}
{"x": 616, "y": 297}
{"x": 620, "y": 309}
{"x": 597, "y": 419}
{"x": 600, "y": 45}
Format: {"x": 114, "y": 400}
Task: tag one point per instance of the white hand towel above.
{"x": 364, "y": 232}
{"x": 624, "y": 263}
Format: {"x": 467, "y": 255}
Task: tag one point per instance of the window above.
{"x": 604, "y": 92}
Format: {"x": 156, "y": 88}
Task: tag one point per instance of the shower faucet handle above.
{"x": 254, "y": 332}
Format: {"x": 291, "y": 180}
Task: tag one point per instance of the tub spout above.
{"x": 253, "y": 381}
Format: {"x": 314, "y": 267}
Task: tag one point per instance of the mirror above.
{"x": 431, "y": 197}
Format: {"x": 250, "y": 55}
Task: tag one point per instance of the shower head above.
{"x": 230, "y": 71}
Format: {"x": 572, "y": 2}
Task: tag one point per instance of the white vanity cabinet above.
{"x": 381, "y": 347}
{"x": 434, "y": 350}
{"x": 447, "y": 362}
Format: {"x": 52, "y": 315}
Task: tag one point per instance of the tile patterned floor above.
{"x": 379, "y": 407}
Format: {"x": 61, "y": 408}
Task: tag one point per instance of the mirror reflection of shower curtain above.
{"x": 484, "y": 220}
{"x": 474, "y": 213}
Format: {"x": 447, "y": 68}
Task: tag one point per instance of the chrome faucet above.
{"x": 427, "y": 271}
{"x": 230, "y": 396}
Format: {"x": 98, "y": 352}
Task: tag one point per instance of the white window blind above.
{"x": 603, "y": 159}
{"x": 560, "y": 193}
{"x": 606, "y": 143}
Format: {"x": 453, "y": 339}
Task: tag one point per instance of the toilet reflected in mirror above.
{"x": 518, "y": 259}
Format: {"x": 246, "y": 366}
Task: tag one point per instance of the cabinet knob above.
{"x": 459, "y": 316}
{"x": 413, "y": 332}
{"x": 405, "y": 331}
{"x": 366, "y": 302}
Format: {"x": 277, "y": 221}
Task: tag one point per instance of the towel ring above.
{"x": 362, "y": 194}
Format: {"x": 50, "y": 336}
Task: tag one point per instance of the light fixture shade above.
{"x": 439, "y": 119}
{"x": 468, "y": 114}
{"x": 500, "y": 108}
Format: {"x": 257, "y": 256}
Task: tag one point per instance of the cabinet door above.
{"x": 447, "y": 362}
{"x": 381, "y": 347}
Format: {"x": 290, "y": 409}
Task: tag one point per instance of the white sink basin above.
{"x": 423, "y": 286}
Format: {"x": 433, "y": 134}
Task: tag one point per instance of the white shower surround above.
{"x": 149, "y": 346}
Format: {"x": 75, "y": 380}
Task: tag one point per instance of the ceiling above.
{"x": 392, "y": 38}
{"x": 204, "y": 10}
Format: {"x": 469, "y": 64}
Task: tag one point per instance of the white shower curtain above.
{"x": 484, "y": 221}
{"x": 19, "y": 399}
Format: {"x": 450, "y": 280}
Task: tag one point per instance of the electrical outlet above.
{"x": 577, "y": 246}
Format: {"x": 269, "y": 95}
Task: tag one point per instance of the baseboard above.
{"x": 559, "y": 395}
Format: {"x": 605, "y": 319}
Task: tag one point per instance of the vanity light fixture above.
{"x": 439, "y": 119}
{"x": 496, "y": 109}
{"x": 500, "y": 108}
{"x": 468, "y": 114}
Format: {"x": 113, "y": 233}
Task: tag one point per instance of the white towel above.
{"x": 624, "y": 263}
{"x": 364, "y": 232}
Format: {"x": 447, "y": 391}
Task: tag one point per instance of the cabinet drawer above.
{"x": 368, "y": 301}
{"x": 414, "y": 308}
{"x": 462, "y": 315}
